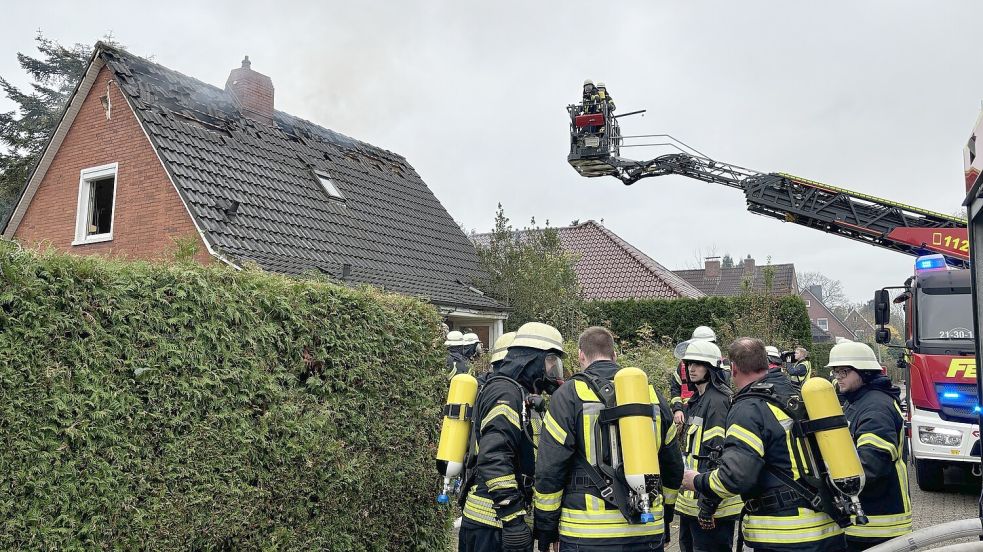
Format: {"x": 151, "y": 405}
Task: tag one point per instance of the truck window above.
{"x": 944, "y": 317}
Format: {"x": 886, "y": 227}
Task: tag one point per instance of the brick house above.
{"x": 860, "y": 326}
{"x": 716, "y": 280}
{"x": 823, "y": 318}
{"x": 144, "y": 158}
{"x": 609, "y": 268}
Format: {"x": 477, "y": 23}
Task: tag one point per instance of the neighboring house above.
{"x": 819, "y": 335}
{"x": 823, "y": 318}
{"x": 716, "y": 280}
{"x": 609, "y": 268}
{"x": 144, "y": 156}
{"x": 860, "y": 326}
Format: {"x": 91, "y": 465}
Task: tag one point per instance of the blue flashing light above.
{"x": 977, "y": 409}
{"x": 929, "y": 263}
{"x": 951, "y": 395}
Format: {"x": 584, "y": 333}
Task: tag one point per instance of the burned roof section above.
{"x": 390, "y": 228}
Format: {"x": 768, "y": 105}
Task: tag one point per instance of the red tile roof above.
{"x": 610, "y": 268}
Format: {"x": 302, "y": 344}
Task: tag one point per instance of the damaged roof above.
{"x": 254, "y": 193}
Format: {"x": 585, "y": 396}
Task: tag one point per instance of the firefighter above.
{"x": 591, "y": 97}
{"x": 774, "y": 358}
{"x": 472, "y": 346}
{"x": 705, "y": 525}
{"x": 499, "y": 483}
{"x": 605, "y": 98}
{"x": 760, "y": 454}
{"x": 678, "y": 395}
{"x": 570, "y": 507}
{"x": 801, "y": 370}
{"x": 457, "y": 363}
{"x": 873, "y": 411}
{"x": 498, "y": 353}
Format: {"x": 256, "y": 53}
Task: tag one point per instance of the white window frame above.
{"x": 823, "y": 324}
{"x": 86, "y": 178}
{"x": 329, "y": 186}
{"x": 808, "y": 303}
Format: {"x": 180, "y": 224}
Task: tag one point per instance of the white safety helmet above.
{"x": 537, "y": 335}
{"x": 588, "y": 81}
{"x": 858, "y": 356}
{"x": 773, "y": 351}
{"x": 470, "y": 338}
{"x": 600, "y": 84}
{"x": 703, "y": 351}
{"x": 501, "y": 347}
{"x": 454, "y": 339}
{"x": 704, "y": 333}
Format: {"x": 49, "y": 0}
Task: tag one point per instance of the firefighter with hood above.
{"x": 571, "y": 508}
{"x": 706, "y": 524}
{"x": 502, "y": 455}
{"x": 472, "y": 346}
{"x": 762, "y": 460}
{"x": 679, "y": 387}
{"x": 873, "y": 411}
{"x": 457, "y": 363}
{"x": 498, "y": 353}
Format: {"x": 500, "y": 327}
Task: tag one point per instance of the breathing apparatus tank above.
{"x": 637, "y": 438}
{"x": 455, "y": 430}
{"x": 836, "y": 446}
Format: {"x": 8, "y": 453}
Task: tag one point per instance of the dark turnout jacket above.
{"x": 877, "y": 427}
{"x": 566, "y": 501}
{"x": 759, "y": 434}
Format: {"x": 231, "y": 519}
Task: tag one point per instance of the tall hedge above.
{"x": 782, "y": 321}
{"x": 151, "y": 407}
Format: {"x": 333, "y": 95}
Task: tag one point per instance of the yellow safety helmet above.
{"x": 470, "y": 338}
{"x": 703, "y": 351}
{"x": 537, "y": 335}
{"x": 454, "y": 339}
{"x": 501, "y": 347}
{"x": 858, "y": 356}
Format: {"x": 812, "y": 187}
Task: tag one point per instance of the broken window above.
{"x": 96, "y": 205}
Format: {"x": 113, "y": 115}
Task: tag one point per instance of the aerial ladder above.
{"x": 595, "y": 151}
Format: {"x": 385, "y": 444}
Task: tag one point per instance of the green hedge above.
{"x": 782, "y": 321}
{"x": 150, "y": 407}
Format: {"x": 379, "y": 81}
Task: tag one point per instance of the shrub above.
{"x": 186, "y": 407}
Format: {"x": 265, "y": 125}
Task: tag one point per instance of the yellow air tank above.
{"x": 836, "y": 445}
{"x": 456, "y": 430}
{"x": 637, "y": 435}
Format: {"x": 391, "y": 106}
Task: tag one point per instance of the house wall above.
{"x": 817, "y": 310}
{"x": 149, "y": 213}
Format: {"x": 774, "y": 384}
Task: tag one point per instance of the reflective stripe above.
{"x": 504, "y": 482}
{"x": 747, "y": 438}
{"x": 871, "y": 439}
{"x": 584, "y": 391}
{"x": 501, "y": 410}
{"x": 547, "y": 502}
{"x": 587, "y": 524}
{"x": 675, "y": 400}
{"x": 670, "y": 435}
{"x": 480, "y": 509}
{"x": 807, "y": 526}
{"x": 554, "y": 429}
{"x": 669, "y": 495}
{"x": 717, "y": 486}
{"x": 715, "y": 431}
{"x": 882, "y": 526}
{"x": 786, "y": 423}
{"x": 514, "y": 515}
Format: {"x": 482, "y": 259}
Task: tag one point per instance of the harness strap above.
{"x": 822, "y": 424}
{"x": 613, "y": 414}
{"x": 458, "y": 411}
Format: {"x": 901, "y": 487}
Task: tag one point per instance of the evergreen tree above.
{"x": 25, "y": 131}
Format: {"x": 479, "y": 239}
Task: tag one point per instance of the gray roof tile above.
{"x": 391, "y": 228}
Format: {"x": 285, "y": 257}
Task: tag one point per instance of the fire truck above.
{"x": 939, "y": 342}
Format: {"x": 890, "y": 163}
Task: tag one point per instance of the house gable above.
{"x": 149, "y": 215}
{"x": 819, "y": 311}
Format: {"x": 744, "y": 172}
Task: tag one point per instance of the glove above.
{"x": 546, "y": 538}
{"x": 516, "y": 536}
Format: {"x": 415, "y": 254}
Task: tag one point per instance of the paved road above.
{"x": 958, "y": 502}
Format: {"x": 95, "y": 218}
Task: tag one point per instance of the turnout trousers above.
{"x": 693, "y": 538}
{"x": 475, "y": 537}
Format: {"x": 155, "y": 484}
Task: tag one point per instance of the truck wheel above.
{"x": 929, "y": 475}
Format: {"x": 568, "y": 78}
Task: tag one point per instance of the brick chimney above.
{"x": 748, "y": 265}
{"x": 253, "y": 92}
{"x": 711, "y": 266}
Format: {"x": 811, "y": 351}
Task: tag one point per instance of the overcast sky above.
{"x": 876, "y": 96}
